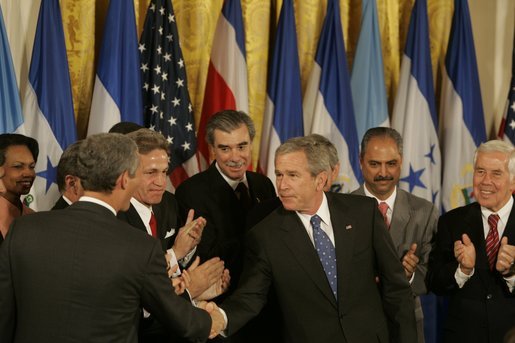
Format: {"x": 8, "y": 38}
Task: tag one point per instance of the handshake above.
{"x": 218, "y": 320}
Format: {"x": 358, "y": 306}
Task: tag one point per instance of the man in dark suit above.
{"x": 80, "y": 274}
{"x": 321, "y": 252}
{"x": 152, "y": 200}
{"x": 472, "y": 261}
{"x": 226, "y": 190}
{"x": 411, "y": 220}
{"x": 67, "y": 180}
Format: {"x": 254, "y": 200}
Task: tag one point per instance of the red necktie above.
{"x": 383, "y": 208}
{"x": 492, "y": 240}
{"x": 153, "y": 224}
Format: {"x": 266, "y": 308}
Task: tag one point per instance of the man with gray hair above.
{"x": 473, "y": 259}
{"x": 411, "y": 221}
{"x": 82, "y": 275}
{"x": 321, "y": 252}
{"x": 67, "y": 180}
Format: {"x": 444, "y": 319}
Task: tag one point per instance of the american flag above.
{"x": 167, "y": 106}
{"x": 507, "y": 130}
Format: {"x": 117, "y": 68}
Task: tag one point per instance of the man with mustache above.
{"x": 411, "y": 220}
{"x": 225, "y": 192}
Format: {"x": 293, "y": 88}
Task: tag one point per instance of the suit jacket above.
{"x": 414, "y": 220}
{"x": 60, "y": 204}
{"x": 280, "y": 253}
{"x": 167, "y": 219}
{"x": 483, "y": 310}
{"x": 211, "y": 197}
{"x": 82, "y": 275}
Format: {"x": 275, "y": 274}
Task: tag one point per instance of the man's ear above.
{"x": 321, "y": 180}
{"x": 123, "y": 179}
{"x": 69, "y": 181}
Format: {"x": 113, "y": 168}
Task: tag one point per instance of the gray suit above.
{"x": 414, "y": 220}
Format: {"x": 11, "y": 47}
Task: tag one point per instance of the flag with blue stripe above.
{"x": 327, "y": 103}
{"x": 283, "y": 111}
{"x": 367, "y": 77}
{"x": 414, "y": 113}
{"x": 10, "y": 107}
{"x": 48, "y": 106}
{"x": 462, "y": 111}
{"x": 117, "y": 94}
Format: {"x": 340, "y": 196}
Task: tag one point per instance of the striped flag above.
{"x": 117, "y": 92}
{"x": 507, "y": 128}
{"x": 414, "y": 113}
{"x": 462, "y": 111}
{"x": 165, "y": 89}
{"x": 48, "y": 106}
{"x": 10, "y": 107}
{"x": 283, "y": 111}
{"x": 367, "y": 77}
{"x": 226, "y": 84}
{"x": 328, "y": 102}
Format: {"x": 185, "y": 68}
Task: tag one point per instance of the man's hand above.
{"x": 465, "y": 254}
{"x": 410, "y": 261}
{"x": 217, "y": 320}
{"x": 204, "y": 275}
{"x": 217, "y": 288}
{"x": 505, "y": 258}
{"x": 189, "y": 235}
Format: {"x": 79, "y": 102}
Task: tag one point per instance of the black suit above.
{"x": 60, "y": 204}
{"x": 167, "y": 219}
{"x": 212, "y": 198}
{"x": 483, "y": 310}
{"x": 82, "y": 275}
{"x": 280, "y": 253}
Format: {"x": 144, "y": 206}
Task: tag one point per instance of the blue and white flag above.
{"x": 414, "y": 112}
{"x": 507, "y": 129}
{"x": 283, "y": 111}
{"x": 328, "y": 101}
{"x": 10, "y": 107}
{"x": 367, "y": 77}
{"x": 117, "y": 94}
{"x": 48, "y": 106}
{"x": 462, "y": 111}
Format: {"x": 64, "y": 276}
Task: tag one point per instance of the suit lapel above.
{"x": 400, "y": 218}
{"x": 297, "y": 241}
{"x": 134, "y": 219}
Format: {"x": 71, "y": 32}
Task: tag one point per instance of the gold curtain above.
{"x": 196, "y": 21}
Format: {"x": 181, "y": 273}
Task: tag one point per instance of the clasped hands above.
{"x": 218, "y": 323}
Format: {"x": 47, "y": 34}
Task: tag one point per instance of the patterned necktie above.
{"x": 242, "y": 192}
{"x": 326, "y": 252}
{"x": 383, "y": 208}
{"x": 492, "y": 240}
{"x": 153, "y": 224}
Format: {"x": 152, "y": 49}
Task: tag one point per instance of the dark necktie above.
{"x": 153, "y": 224}
{"x": 383, "y": 208}
{"x": 326, "y": 252}
{"x": 492, "y": 240}
{"x": 242, "y": 193}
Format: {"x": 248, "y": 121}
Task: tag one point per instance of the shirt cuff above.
{"x": 461, "y": 277}
{"x": 510, "y": 281}
{"x": 186, "y": 259}
{"x": 412, "y": 278}
{"x": 224, "y": 332}
{"x": 173, "y": 262}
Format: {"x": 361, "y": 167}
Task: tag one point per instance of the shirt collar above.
{"x": 322, "y": 212}
{"x": 504, "y": 212}
{"x": 390, "y": 200}
{"x": 98, "y": 202}
{"x": 231, "y": 182}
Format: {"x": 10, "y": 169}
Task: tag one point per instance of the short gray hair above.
{"x": 318, "y": 159}
{"x": 327, "y": 146}
{"x": 502, "y": 147}
{"x": 67, "y": 164}
{"x": 227, "y": 121}
{"x": 383, "y": 132}
{"x": 103, "y": 158}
